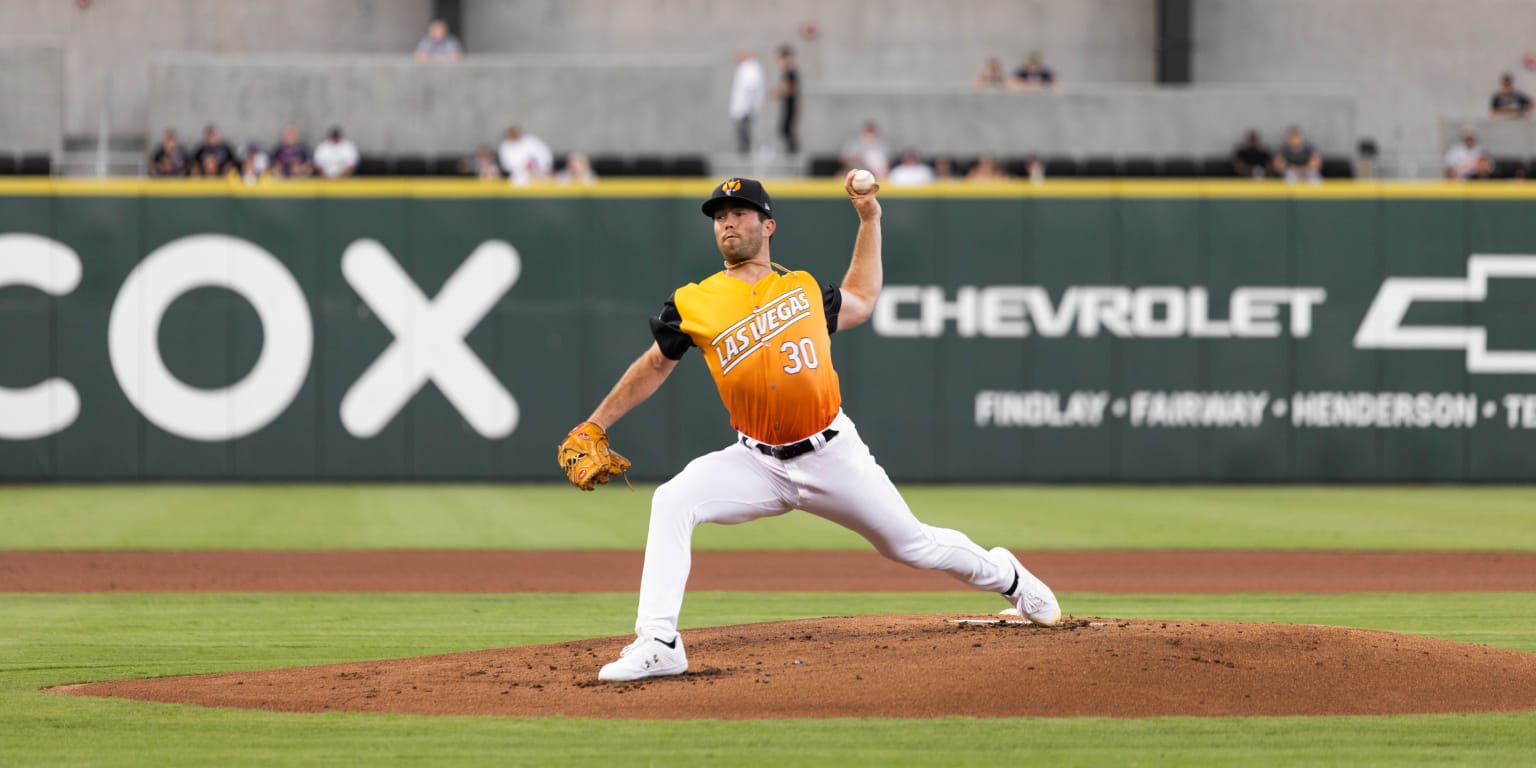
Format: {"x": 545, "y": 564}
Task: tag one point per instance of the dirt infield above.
{"x": 1144, "y": 572}
{"x": 912, "y": 666}
{"x": 875, "y": 666}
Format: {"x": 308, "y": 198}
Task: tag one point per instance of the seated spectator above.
{"x": 214, "y": 144}
{"x": 484, "y": 165}
{"x": 1508, "y": 102}
{"x": 211, "y": 168}
{"x": 1297, "y": 159}
{"x": 991, "y": 77}
{"x": 290, "y": 158}
{"x": 336, "y": 157}
{"x": 910, "y": 172}
{"x": 577, "y": 170}
{"x": 867, "y": 151}
{"x": 1466, "y": 158}
{"x": 438, "y": 45}
{"x": 1251, "y": 158}
{"x": 255, "y": 166}
{"x": 1035, "y": 167}
{"x": 1033, "y": 75}
{"x": 943, "y": 168}
{"x": 168, "y": 158}
{"x": 986, "y": 169}
{"x": 524, "y": 156}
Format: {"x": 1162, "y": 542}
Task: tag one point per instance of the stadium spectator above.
{"x": 577, "y": 170}
{"x": 438, "y": 44}
{"x": 290, "y": 158}
{"x": 867, "y": 151}
{"x": 1466, "y": 159}
{"x": 214, "y": 144}
{"x": 1508, "y": 102}
{"x": 747, "y": 88}
{"x": 168, "y": 159}
{"x": 254, "y": 167}
{"x": 1297, "y": 159}
{"x": 1033, "y": 75}
{"x": 211, "y": 168}
{"x": 484, "y": 165}
{"x": 943, "y": 168}
{"x": 788, "y": 94}
{"x": 1251, "y": 158}
{"x": 524, "y": 157}
{"x": 991, "y": 77}
{"x": 1035, "y": 168}
{"x": 911, "y": 171}
{"x": 986, "y": 169}
{"x": 336, "y": 157}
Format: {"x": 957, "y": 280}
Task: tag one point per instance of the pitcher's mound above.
{"x": 912, "y": 666}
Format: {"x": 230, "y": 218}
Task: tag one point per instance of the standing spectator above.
{"x": 1251, "y": 158}
{"x": 485, "y": 166}
{"x": 336, "y": 157}
{"x": 867, "y": 151}
{"x": 1508, "y": 102}
{"x": 290, "y": 158}
{"x": 524, "y": 156}
{"x": 438, "y": 45}
{"x": 991, "y": 76}
{"x": 788, "y": 94}
{"x": 1298, "y": 159}
{"x": 254, "y": 168}
{"x": 1466, "y": 159}
{"x": 911, "y": 171}
{"x": 746, "y": 98}
{"x": 1033, "y": 75}
{"x": 577, "y": 170}
{"x": 215, "y": 145}
{"x": 168, "y": 158}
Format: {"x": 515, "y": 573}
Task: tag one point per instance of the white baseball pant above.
{"x": 839, "y": 481}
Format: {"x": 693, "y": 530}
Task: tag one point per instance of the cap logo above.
{"x": 733, "y": 185}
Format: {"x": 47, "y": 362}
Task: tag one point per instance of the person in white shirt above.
{"x": 867, "y": 151}
{"x": 336, "y": 157}
{"x": 747, "y": 90}
{"x": 524, "y": 156}
{"x": 910, "y": 172}
{"x": 1467, "y": 159}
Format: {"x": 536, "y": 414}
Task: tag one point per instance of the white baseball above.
{"x": 863, "y": 181}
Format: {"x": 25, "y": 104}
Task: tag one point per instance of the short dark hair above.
{"x": 785, "y": 50}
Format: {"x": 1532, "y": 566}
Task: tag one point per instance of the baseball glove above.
{"x": 585, "y": 457}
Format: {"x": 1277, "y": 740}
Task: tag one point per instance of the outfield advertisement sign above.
{"x": 1346, "y": 338}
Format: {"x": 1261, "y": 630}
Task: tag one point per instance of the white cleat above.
{"x": 647, "y": 657}
{"x": 1031, "y": 598}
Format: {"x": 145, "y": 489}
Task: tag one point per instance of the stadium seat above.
{"x": 1337, "y": 167}
{"x": 1508, "y": 168}
{"x": 825, "y": 165}
{"x": 960, "y": 165}
{"x": 372, "y": 165}
{"x": 449, "y": 165}
{"x": 1099, "y": 167}
{"x": 649, "y": 165}
{"x": 7, "y": 164}
{"x": 1530, "y": 170}
{"x": 1060, "y": 165}
{"x": 693, "y": 166}
{"x": 409, "y": 165}
{"x": 1138, "y": 167}
{"x": 610, "y": 165}
{"x": 1180, "y": 167}
{"x": 34, "y": 164}
{"x": 1217, "y": 167}
{"x": 1017, "y": 166}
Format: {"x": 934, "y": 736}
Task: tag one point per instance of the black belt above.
{"x": 787, "y": 452}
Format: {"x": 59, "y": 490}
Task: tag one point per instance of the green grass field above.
{"x": 56, "y": 639}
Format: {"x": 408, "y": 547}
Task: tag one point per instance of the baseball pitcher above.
{"x": 765, "y": 333}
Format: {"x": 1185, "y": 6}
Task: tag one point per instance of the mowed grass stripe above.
{"x": 551, "y": 516}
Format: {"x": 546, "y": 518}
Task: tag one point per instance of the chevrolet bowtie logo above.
{"x": 1383, "y": 326}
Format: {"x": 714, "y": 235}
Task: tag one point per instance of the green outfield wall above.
{"x": 1064, "y": 332}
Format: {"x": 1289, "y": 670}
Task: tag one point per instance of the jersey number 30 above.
{"x": 802, "y": 355}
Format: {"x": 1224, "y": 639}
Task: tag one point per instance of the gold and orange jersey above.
{"x": 768, "y": 346}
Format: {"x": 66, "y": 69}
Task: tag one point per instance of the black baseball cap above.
{"x": 749, "y": 191}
